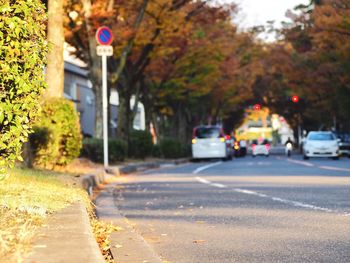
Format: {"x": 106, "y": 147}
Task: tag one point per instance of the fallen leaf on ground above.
{"x": 199, "y": 241}
{"x": 118, "y": 246}
{"x": 153, "y": 239}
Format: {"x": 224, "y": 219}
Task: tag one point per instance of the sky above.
{"x": 257, "y": 12}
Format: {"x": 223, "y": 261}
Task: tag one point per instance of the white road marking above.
{"x": 264, "y": 163}
{"x": 334, "y": 168}
{"x": 198, "y": 170}
{"x": 303, "y": 205}
{"x": 167, "y": 165}
{"x": 243, "y": 191}
{"x": 202, "y": 180}
{"x": 300, "y": 162}
{"x": 219, "y": 185}
{"x": 331, "y": 168}
{"x": 273, "y": 198}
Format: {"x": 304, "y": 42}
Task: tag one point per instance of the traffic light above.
{"x": 295, "y": 99}
{"x": 257, "y": 107}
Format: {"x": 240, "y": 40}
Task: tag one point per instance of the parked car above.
{"x": 211, "y": 142}
{"x": 320, "y": 144}
{"x": 344, "y": 143}
{"x": 261, "y": 147}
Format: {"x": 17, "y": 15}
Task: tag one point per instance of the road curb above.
{"x": 127, "y": 245}
{"x": 92, "y": 182}
{"x": 132, "y": 168}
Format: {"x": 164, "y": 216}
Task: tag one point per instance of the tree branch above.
{"x": 130, "y": 43}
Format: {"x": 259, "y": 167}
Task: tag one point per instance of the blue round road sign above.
{"x": 104, "y": 36}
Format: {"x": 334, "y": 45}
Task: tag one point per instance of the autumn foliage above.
{"x": 310, "y": 60}
{"x": 188, "y": 64}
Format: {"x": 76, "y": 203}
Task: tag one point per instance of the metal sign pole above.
{"x": 105, "y": 110}
{"x": 104, "y": 37}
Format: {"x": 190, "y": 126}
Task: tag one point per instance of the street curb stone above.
{"x": 127, "y": 245}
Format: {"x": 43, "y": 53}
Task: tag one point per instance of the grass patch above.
{"x": 27, "y": 197}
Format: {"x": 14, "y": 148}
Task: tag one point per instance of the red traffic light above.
{"x": 295, "y": 99}
{"x": 257, "y": 107}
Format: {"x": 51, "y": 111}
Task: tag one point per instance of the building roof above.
{"x": 75, "y": 69}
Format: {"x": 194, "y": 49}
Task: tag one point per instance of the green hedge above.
{"x": 173, "y": 148}
{"x": 156, "y": 151}
{"x": 23, "y": 50}
{"x": 140, "y": 145}
{"x": 93, "y": 150}
{"x": 57, "y": 138}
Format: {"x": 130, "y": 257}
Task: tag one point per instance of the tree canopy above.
{"x": 188, "y": 64}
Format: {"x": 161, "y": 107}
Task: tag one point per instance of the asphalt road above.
{"x": 247, "y": 210}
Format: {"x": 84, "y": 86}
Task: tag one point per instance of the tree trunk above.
{"x": 156, "y": 129}
{"x": 146, "y": 101}
{"x": 136, "y": 102}
{"x": 181, "y": 122}
{"x": 95, "y": 65}
{"x": 96, "y": 78}
{"x": 98, "y": 111}
{"x": 27, "y": 153}
{"x": 124, "y": 102}
{"x": 109, "y": 111}
{"x": 55, "y": 36}
{"x": 128, "y": 125}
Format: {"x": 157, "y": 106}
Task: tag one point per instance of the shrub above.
{"x": 57, "y": 138}
{"x": 172, "y": 148}
{"x": 93, "y": 150}
{"x": 117, "y": 150}
{"x": 140, "y": 145}
{"x": 156, "y": 151}
{"x": 23, "y": 50}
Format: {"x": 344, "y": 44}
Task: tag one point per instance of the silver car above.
{"x": 211, "y": 142}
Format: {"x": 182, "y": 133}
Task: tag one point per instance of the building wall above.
{"x": 87, "y": 110}
{"x": 78, "y": 88}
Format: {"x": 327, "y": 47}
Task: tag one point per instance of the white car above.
{"x": 261, "y": 147}
{"x": 211, "y": 142}
{"x": 321, "y": 144}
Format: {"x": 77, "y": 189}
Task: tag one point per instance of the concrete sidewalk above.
{"x": 68, "y": 237}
